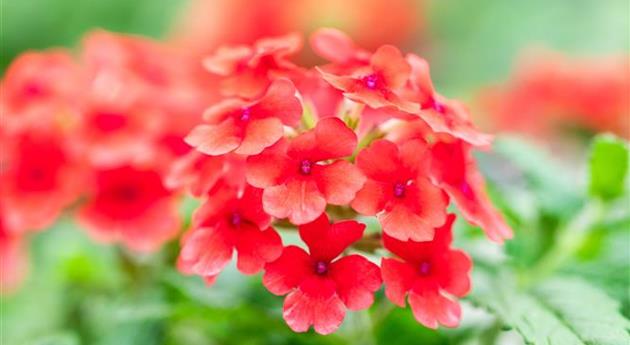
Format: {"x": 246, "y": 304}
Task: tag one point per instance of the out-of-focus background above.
{"x": 537, "y": 68}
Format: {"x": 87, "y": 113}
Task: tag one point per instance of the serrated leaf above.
{"x": 560, "y": 311}
{"x": 608, "y": 167}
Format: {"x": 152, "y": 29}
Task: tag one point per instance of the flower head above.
{"x": 319, "y": 284}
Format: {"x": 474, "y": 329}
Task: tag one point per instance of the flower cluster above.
{"x": 549, "y": 92}
{"x": 97, "y": 132}
{"x": 122, "y": 131}
{"x": 318, "y": 150}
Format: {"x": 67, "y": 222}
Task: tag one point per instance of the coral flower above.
{"x": 130, "y": 204}
{"x": 430, "y": 274}
{"x": 13, "y": 260}
{"x": 442, "y": 115}
{"x": 297, "y": 180}
{"x": 249, "y": 70}
{"x": 248, "y": 127}
{"x": 40, "y": 178}
{"x": 378, "y": 84}
{"x": 229, "y": 221}
{"x": 320, "y": 286}
{"x": 398, "y": 190}
{"x": 456, "y": 172}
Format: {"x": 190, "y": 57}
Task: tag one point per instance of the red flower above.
{"x": 319, "y": 286}
{"x": 228, "y": 222}
{"x": 297, "y": 182}
{"x": 249, "y": 70}
{"x": 35, "y": 79}
{"x": 455, "y": 170}
{"x": 442, "y": 115}
{"x": 408, "y": 205}
{"x": 429, "y": 273}
{"x": 248, "y": 127}
{"x": 130, "y": 205}
{"x": 337, "y": 47}
{"x": 40, "y": 179}
{"x": 378, "y": 84}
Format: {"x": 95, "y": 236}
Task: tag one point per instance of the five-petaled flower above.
{"x": 320, "y": 286}
{"x": 297, "y": 180}
{"x": 430, "y": 275}
{"x": 230, "y": 220}
{"x": 398, "y": 190}
{"x": 247, "y": 127}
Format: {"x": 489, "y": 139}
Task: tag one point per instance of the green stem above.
{"x": 571, "y": 238}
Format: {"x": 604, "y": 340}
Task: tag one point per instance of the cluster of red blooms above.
{"x": 101, "y": 128}
{"x": 549, "y": 92}
{"x": 286, "y": 147}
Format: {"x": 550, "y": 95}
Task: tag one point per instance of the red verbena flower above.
{"x": 398, "y": 190}
{"x": 441, "y": 114}
{"x": 131, "y": 205}
{"x": 378, "y": 84}
{"x": 320, "y": 286}
{"x": 455, "y": 170}
{"x": 430, "y": 275}
{"x": 248, "y": 71}
{"x": 229, "y": 221}
{"x": 248, "y": 127}
{"x": 40, "y": 178}
{"x": 298, "y": 181}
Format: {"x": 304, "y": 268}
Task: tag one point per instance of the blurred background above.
{"x": 532, "y": 71}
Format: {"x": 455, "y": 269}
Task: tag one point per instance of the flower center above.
{"x": 399, "y": 190}
{"x": 425, "y": 268}
{"x": 305, "y": 167}
{"x": 321, "y": 267}
{"x": 437, "y": 106}
{"x": 371, "y": 81}
{"x": 466, "y": 190}
{"x": 126, "y": 193}
{"x": 245, "y": 115}
{"x": 235, "y": 219}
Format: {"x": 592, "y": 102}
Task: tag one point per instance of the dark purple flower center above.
{"x": 126, "y": 193}
{"x": 305, "y": 167}
{"x": 235, "y": 219}
{"x": 34, "y": 90}
{"x": 425, "y": 268}
{"x": 466, "y": 190}
{"x": 371, "y": 81}
{"x": 437, "y": 106}
{"x": 245, "y": 114}
{"x": 399, "y": 190}
{"x": 321, "y": 267}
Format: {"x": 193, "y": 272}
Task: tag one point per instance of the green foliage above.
{"x": 608, "y": 167}
{"x": 560, "y": 311}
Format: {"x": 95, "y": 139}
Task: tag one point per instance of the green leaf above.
{"x": 559, "y": 311}
{"x": 608, "y": 167}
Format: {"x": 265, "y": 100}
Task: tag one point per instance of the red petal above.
{"x": 260, "y": 134}
{"x": 356, "y": 280}
{"x": 226, "y": 59}
{"x": 420, "y": 74}
{"x": 298, "y": 200}
{"x": 415, "y": 252}
{"x": 326, "y": 241}
{"x": 339, "y": 182}
{"x": 250, "y": 207}
{"x": 370, "y": 199}
{"x": 333, "y": 45}
{"x": 432, "y": 308}
{"x": 215, "y": 140}
{"x": 205, "y": 252}
{"x": 457, "y": 280}
{"x": 398, "y": 278}
{"x": 222, "y": 110}
{"x": 288, "y": 271}
{"x": 330, "y": 139}
{"x": 302, "y": 310}
{"x": 389, "y": 62}
{"x": 256, "y": 247}
{"x": 281, "y": 102}
{"x": 269, "y": 168}
{"x": 380, "y": 161}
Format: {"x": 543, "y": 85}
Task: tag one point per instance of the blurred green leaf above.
{"x": 558, "y": 311}
{"x": 608, "y": 167}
